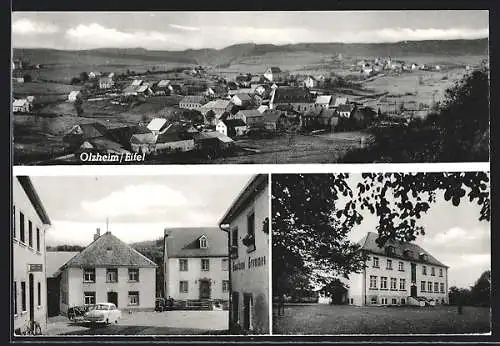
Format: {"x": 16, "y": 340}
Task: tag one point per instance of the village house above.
{"x": 143, "y": 143}
{"x": 262, "y": 108}
{"x": 29, "y": 225}
{"x": 55, "y": 260}
{"x": 260, "y": 89}
{"x": 192, "y": 102}
{"x": 241, "y": 100}
{"x": 340, "y": 101}
{"x": 328, "y": 118}
{"x": 256, "y": 80}
{"x": 212, "y": 142}
{"x": 106, "y": 83}
{"x": 274, "y": 74}
{"x": 216, "y": 109}
{"x": 176, "y": 140}
{"x": 273, "y": 120}
{"x": 345, "y": 110}
{"x": 21, "y": 106}
{"x": 136, "y": 82}
{"x": 324, "y": 101}
{"x": 247, "y": 224}
{"x": 74, "y": 96}
{"x": 78, "y": 134}
{"x": 243, "y": 81}
{"x": 231, "y": 127}
{"x": 310, "y": 82}
{"x": 144, "y": 90}
{"x": 94, "y": 74}
{"x": 399, "y": 273}
{"x": 158, "y": 125}
{"x": 196, "y": 265}
{"x": 300, "y": 99}
{"x": 108, "y": 270}
{"x": 249, "y": 116}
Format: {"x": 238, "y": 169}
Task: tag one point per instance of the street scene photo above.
{"x": 381, "y": 253}
{"x": 276, "y": 87}
{"x": 140, "y": 255}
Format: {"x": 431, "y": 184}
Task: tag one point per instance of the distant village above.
{"x": 215, "y": 111}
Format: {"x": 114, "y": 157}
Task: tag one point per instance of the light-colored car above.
{"x": 103, "y": 313}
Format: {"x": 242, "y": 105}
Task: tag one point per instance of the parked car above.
{"x": 103, "y": 313}
{"x": 76, "y": 313}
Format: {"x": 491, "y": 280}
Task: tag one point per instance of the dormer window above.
{"x": 423, "y": 257}
{"x": 390, "y": 250}
{"x": 203, "y": 242}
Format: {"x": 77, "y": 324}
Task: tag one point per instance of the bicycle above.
{"x": 32, "y": 328}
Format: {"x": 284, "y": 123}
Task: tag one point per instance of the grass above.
{"x": 344, "y": 319}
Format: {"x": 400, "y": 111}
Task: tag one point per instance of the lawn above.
{"x": 319, "y": 319}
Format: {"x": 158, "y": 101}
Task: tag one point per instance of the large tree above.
{"x": 313, "y": 214}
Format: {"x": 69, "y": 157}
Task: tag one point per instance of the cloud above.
{"x": 25, "y": 26}
{"x": 95, "y": 35}
{"x": 407, "y": 34}
{"x": 184, "y": 27}
{"x": 138, "y": 200}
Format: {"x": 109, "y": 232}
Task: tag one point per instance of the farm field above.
{"x": 320, "y": 319}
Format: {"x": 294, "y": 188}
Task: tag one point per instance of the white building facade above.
{"x": 30, "y": 222}
{"x": 247, "y": 222}
{"x": 398, "y": 274}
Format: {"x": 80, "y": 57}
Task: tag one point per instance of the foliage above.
{"x": 65, "y": 248}
{"x": 336, "y": 290}
{"x": 27, "y": 78}
{"x": 84, "y": 76}
{"x": 477, "y": 295}
{"x": 313, "y": 214}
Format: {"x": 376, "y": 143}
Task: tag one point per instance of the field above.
{"x": 320, "y": 319}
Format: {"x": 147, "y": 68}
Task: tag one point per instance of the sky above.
{"x": 194, "y": 30}
{"x": 138, "y": 207}
{"x": 453, "y": 235}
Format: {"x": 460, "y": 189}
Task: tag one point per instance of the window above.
{"x": 383, "y": 283}
{"x": 389, "y": 264}
{"x": 183, "y": 265}
{"x": 402, "y": 284}
{"x": 373, "y": 281}
{"x": 23, "y": 295}
{"x": 374, "y": 300}
{"x": 183, "y": 286}
{"x": 203, "y": 242}
{"x": 112, "y": 275}
{"x": 39, "y": 297}
{"x": 394, "y": 301}
{"x": 422, "y": 286}
{"x": 133, "y": 298}
{"x": 424, "y": 270}
{"x": 37, "y": 239}
{"x": 433, "y": 271}
{"x": 89, "y": 298}
{"x": 375, "y": 262}
{"x": 436, "y": 287}
{"x": 441, "y": 287}
{"x": 30, "y": 233}
{"x": 225, "y": 264}
{"x": 14, "y": 222}
{"x": 15, "y": 297}
{"x": 440, "y": 272}
{"x": 401, "y": 266}
{"x": 205, "y": 264}
{"x": 133, "y": 274}
{"x": 225, "y": 286}
{"x": 251, "y": 231}
{"x": 21, "y": 227}
{"x": 383, "y": 301}
{"x": 394, "y": 284}
{"x": 429, "y": 286}
{"x": 403, "y": 301}
{"x": 89, "y": 275}
{"x": 234, "y": 243}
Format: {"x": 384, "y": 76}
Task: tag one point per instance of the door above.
{"x": 113, "y": 298}
{"x": 31, "y": 297}
{"x": 204, "y": 289}
{"x": 235, "y": 301}
{"x": 413, "y": 291}
{"x": 247, "y": 310}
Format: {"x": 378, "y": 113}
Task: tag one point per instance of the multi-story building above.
{"x": 108, "y": 270}
{"x": 195, "y": 264}
{"x": 247, "y": 222}
{"x": 30, "y": 222}
{"x": 398, "y": 273}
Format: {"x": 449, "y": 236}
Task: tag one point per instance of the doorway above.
{"x": 113, "y": 298}
{"x": 413, "y": 292}
{"x": 204, "y": 289}
{"x": 247, "y": 310}
{"x": 235, "y": 301}
{"x": 413, "y": 273}
{"x": 31, "y": 297}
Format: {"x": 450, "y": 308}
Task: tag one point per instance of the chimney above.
{"x": 97, "y": 234}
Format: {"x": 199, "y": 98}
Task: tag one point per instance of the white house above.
{"x": 196, "y": 264}
{"x": 106, "y": 83}
{"x": 21, "y": 106}
{"x": 158, "y": 125}
{"x": 30, "y": 222}
{"x": 74, "y": 95}
{"x": 345, "y": 110}
{"x": 324, "y": 101}
{"x": 108, "y": 270}
{"x": 310, "y": 82}
{"x": 247, "y": 223}
{"x": 241, "y": 100}
{"x": 231, "y": 127}
{"x": 274, "y": 74}
{"x": 399, "y": 273}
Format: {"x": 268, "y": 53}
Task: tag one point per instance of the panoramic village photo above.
{"x": 140, "y": 255}
{"x": 218, "y": 88}
{"x": 381, "y": 253}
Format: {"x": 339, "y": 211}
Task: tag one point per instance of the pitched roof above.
{"x": 234, "y": 122}
{"x": 248, "y": 113}
{"x": 55, "y": 260}
{"x": 136, "y": 82}
{"x": 345, "y": 108}
{"x": 275, "y": 69}
{"x": 19, "y": 102}
{"x": 97, "y": 254}
{"x": 157, "y": 124}
{"x": 143, "y": 138}
{"x": 340, "y": 101}
{"x": 292, "y": 95}
{"x": 88, "y": 131}
{"x": 368, "y": 243}
{"x": 193, "y": 99}
{"x": 262, "y": 108}
{"x": 74, "y": 93}
{"x": 243, "y": 97}
{"x": 163, "y": 83}
{"x": 328, "y": 113}
{"x": 184, "y": 242}
{"x": 142, "y": 88}
{"x": 324, "y": 99}
{"x": 213, "y": 135}
{"x": 130, "y": 89}
{"x": 30, "y": 191}
{"x": 216, "y": 104}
